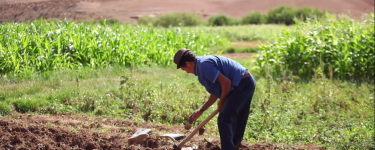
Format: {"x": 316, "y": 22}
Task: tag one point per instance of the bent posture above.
{"x": 227, "y": 80}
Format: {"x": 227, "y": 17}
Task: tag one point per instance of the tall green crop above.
{"x": 344, "y": 46}
{"x": 46, "y": 45}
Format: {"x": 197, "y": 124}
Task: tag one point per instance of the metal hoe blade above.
{"x": 179, "y": 146}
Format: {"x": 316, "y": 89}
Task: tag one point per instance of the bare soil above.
{"x": 131, "y": 10}
{"x": 80, "y": 131}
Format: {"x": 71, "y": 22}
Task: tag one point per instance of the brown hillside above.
{"x": 128, "y": 10}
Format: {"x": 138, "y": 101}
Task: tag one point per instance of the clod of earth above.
{"x": 201, "y": 131}
{"x": 187, "y": 126}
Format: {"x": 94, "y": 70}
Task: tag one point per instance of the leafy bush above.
{"x": 282, "y": 15}
{"x": 254, "y": 18}
{"x": 109, "y": 21}
{"x": 5, "y": 109}
{"x": 146, "y": 20}
{"x": 178, "y": 19}
{"x": 221, "y": 20}
{"x": 286, "y": 14}
{"x": 345, "y": 47}
{"x": 309, "y": 12}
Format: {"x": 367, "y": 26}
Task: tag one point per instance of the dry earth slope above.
{"x": 128, "y": 10}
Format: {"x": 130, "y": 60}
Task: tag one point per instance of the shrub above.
{"x": 286, "y": 14}
{"x": 109, "y": 21}
{"x": 178, "y": 19}
{"x": 282, "y": 15}
{"x": 221, "y": 20}
{"x": 254, "y": 18}
{"x": 146, "y": 20}
{"x": 308, "y": 12}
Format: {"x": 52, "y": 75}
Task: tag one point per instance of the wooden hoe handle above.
{"x": 197, "y": 129}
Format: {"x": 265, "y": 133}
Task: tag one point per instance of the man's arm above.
{"x": 225, "y": 87}
{"x": 196, "y": 114}
{"x": 212, "y": 99}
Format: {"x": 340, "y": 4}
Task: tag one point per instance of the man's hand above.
{"x": 194, "y": 116}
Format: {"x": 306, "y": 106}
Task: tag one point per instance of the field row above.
{"x": 51, "y": 45}
{"x": 332, "y": 114}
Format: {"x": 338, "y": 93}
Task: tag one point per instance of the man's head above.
{"x": 185, "y": 59}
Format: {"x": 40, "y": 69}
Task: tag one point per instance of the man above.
{"x": 228, "y": 80}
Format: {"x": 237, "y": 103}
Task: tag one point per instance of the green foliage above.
{"x": 331, "y": 113}
{"x": 282, "y": 15}
{"x": 255, "y": 17}
{"x": 285, "y": 14}
{"x": 28, "y": 105}
{"x": 324, "y": 111}
{"x": 343, "y": 47}
{"x": 110, "y": 21}
{"x": 242, "y": 49}
{"x": 306, "y": 12}
{"x": 247, "y": 32}
{"x": 39, "y": 46}
{"x": 221, "y": 20}
{"x": 235, "y": 49}
{"x": 176, "y": 19}
{"x": 146, "y": 20}
{"x": 5, "y": 109}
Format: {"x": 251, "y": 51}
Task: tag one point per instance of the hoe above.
{"x": 140, "y": 135}
{"x": 182, "y": 143}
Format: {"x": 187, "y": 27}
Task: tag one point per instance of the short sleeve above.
{"x": 209, "y": 71}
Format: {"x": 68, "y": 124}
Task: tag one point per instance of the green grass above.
{"x": 336, "y": 114}
{"x": 234, "y": 49}
{"x": 266, "y": 32}
{"x": 5, "y": 108}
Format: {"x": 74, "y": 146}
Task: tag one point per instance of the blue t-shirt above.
{"x": 207, "y": 68}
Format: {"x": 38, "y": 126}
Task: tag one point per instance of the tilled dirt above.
{"x": 131, "y": 10}
{"x": 79, "y": 131}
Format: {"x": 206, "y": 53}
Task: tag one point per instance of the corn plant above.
{"x": 346, "y": 46}
{"x": 43, "y": 45}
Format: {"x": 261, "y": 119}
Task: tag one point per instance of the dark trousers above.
{"x": 235, "y": 112}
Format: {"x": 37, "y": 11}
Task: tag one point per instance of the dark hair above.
{"x": 188, "y": 56}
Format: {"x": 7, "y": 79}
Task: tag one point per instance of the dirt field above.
{"x": 130, "y": 10}
{"x": 79, "y": 131}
